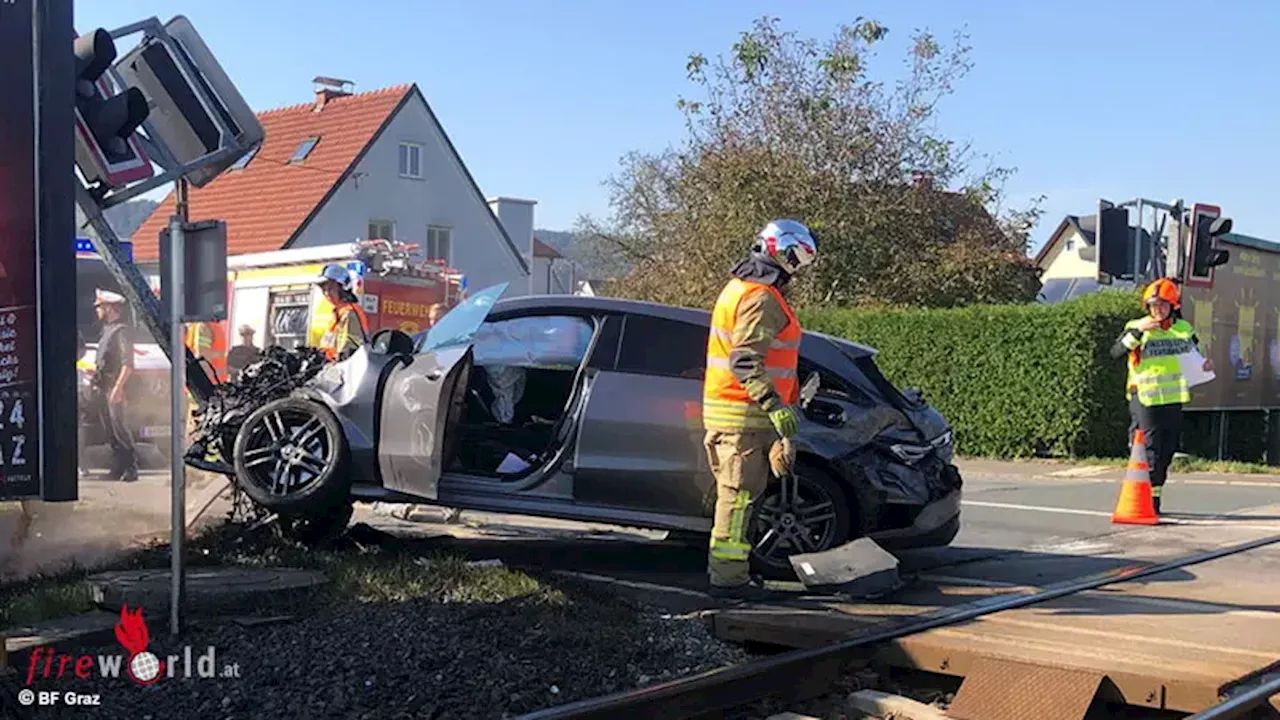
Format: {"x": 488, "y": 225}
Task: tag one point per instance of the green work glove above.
{"x": 785, "y": 421}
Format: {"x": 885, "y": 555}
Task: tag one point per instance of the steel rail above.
{"x": 722, "y": 688}
{"x": 1237, "y": 705}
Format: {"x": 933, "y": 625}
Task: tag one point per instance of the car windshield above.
{"x": 460, "y": 323}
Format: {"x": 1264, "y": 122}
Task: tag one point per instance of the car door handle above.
{"x": 434, "y": 375}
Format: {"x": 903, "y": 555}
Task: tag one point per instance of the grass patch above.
{"x": 45, "y": 597}
{"x": 359, "y": 573}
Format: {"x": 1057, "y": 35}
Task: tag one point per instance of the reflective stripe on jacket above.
{"x": 1155, "y": 372}
{"x": 726, "y": 403}
{"x": 340, "y": 338}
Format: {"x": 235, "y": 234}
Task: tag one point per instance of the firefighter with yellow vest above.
{"x": 750, "y": 391}
{"x": 350, "y": 327}
{"x": 1156, "y": 388}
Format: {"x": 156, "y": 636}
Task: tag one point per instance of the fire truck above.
{"x": 277, "y": 295}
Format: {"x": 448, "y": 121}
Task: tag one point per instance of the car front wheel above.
{"x": 807, "y": 513}
{"x": 290, "y": 456}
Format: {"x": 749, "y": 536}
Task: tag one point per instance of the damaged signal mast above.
{"x": 166, "y": 103}
{"x": 1187, "y": 252}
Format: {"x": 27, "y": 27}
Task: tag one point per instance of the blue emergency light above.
{"x": 84, "y": 246}
{"x": 357, "y": 267}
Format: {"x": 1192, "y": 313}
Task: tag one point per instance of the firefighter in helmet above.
{"x": 349, "y": 329}
{"x": 750, "y": 392}
{"x": 1156, "y": 388}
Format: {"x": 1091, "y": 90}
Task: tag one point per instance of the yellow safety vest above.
{"x": 725, "y": 403}
{"x": 1154, "y": 369}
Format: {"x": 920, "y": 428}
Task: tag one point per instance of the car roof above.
{"x": 595, "y": 303}
{"x": 600, "y": 304}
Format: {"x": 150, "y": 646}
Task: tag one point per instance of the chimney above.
{"x": 516, "y": 217}
{"x": 328, "y": 88}
{"x": 922, "y": 179}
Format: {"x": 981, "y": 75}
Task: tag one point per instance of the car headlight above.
{"x": 912, "y": 453}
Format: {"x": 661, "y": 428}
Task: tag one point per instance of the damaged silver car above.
{"x": 589, "y": 409}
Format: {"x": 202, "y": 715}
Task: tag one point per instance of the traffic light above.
{"x": 1113, "y": 239}
{"x": 196, "y": 109}
{"x": 1207, "y": 224}
{"x": 107, "y": 150}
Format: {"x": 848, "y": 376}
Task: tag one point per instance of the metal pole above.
{"x": 177, "y": 398}
{"x": 1137, "y": 247}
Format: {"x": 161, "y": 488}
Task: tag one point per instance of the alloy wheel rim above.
{"x": 799, "y": 518}
{"x": 286, "y": 451}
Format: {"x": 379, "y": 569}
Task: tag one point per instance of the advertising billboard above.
{"x": 1238, "y": 322}
{"x": 19, "y": 282}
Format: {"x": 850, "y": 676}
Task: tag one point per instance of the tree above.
{"x": 796, "y": 128}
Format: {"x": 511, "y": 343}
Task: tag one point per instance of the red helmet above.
{"x": 1162, "y": 289}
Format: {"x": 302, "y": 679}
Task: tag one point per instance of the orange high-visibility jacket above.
{"x": 726, "y": 403}
{"x": 336, "y": 340}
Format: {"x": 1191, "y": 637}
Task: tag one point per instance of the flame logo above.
{"x": 144, "y": 667}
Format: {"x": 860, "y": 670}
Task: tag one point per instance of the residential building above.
{"x": 349, "y": 166}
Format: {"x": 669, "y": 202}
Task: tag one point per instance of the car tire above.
{"x": 328, "y": 487}
{"x": 318, "y": 527}
{"x": 813, "y": 483}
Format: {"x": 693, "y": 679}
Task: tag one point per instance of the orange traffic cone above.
{"x": 1135, "y": 505}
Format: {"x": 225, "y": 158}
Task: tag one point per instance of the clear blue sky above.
{"x": 1087, "y": 98}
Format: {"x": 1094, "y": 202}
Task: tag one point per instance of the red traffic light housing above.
{"x": 107, "y": 149}
{"x": 1207, "y": 225}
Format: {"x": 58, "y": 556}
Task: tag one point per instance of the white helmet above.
{"x": 339, "y": 274}
{"x": 788, "y": 243}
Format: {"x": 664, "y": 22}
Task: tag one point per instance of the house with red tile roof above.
{"x": 352, "y": 166}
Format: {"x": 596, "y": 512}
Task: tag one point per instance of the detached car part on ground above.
{"x": 577, "y": 408}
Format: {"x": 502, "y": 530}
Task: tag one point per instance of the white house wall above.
{"x": 1065, "y": 262}
{"x": 443, "y": 197}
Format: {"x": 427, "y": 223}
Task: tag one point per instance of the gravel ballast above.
{"x": 404, "y": 638}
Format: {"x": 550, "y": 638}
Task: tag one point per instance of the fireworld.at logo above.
{"x": 140, "y": 665}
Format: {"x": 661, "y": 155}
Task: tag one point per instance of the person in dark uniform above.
{"x": 114, "y": 367}
{"x": 243, "y": 355}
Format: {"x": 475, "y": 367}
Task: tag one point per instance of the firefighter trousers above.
{"x": 740, "y": 463}
{"x": 1162, "y": 425}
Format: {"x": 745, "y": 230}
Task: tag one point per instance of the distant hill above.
{"x": 124, "y": 218}
{"x": 593, "y": 263}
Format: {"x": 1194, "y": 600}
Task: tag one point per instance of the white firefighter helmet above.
{"x": 788, "y": 243}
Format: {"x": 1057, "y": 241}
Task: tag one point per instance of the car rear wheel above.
{"x": 808, "y": 513}
{"x": 290, "y": 457}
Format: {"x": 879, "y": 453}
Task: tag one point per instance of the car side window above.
{"x": 557, "y": 342}
{"x": 656, "y": 346}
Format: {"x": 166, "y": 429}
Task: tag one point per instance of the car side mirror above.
{"x": 390, "y": 341}
{"x": 809, "y": 389}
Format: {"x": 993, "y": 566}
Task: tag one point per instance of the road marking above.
{"x": 1227, "y": 521}
{"x": 1085, "y": 471}
{"x": 1035, "y": 508}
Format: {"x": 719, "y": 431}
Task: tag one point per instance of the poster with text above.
{"x": 19, "y": 291}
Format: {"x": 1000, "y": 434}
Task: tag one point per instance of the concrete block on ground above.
{"x": 209, "y": 590}
{"x": 82, "y": 630}
{"x": 860, "y": 569}
{"x": 879, "y": 704}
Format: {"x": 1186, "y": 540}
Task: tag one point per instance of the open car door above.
{"x": 423, "y": 400}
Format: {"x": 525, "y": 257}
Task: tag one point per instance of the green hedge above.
{"x": 1013, "y": 380}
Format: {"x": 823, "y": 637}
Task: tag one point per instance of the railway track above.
{"x": 800, "y": 674}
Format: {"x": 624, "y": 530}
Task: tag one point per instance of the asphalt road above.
{"x": 1024, "y": 524}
